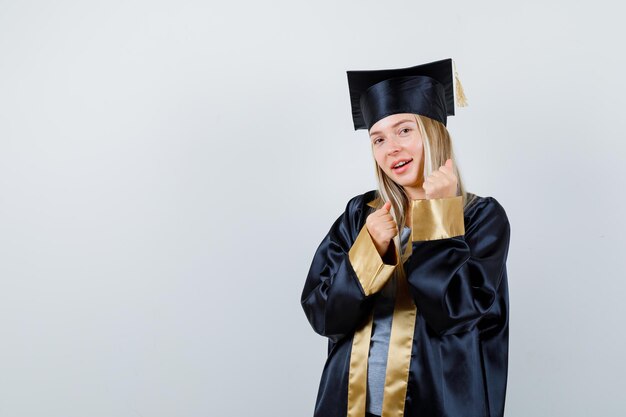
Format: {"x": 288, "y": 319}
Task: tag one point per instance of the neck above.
{"x": 415, "y": 193}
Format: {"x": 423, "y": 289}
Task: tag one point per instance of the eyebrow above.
{"x": 394, "y": 126}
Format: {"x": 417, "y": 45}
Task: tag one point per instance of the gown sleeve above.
{"x": 455, "y": 269}
{"x": 345, "y": 275}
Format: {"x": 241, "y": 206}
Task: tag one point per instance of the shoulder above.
{"x": 361, "y": 201}
{"x": 358, "y": 206}
{"x": 476, "y": 203}
{"x": 484, "y": 210}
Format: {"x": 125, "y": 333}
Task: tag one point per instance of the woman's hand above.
{"x": 441, "y": 183}
{"x": 382, "y": 228}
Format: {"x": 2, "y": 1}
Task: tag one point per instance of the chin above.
{"x": 407, "y": 181}
{"x": 404, "y": 180}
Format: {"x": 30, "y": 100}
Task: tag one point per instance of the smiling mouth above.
{"x": 402, "y": 166}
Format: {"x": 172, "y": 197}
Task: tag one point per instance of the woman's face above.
{"x": 395, "y": 139}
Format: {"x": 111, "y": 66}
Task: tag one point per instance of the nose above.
{"x": 393, "y": 146}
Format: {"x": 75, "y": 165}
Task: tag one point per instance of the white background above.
{"x": 168, "y": 168}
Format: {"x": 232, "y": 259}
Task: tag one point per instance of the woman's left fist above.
{"x": 441, "y": 183}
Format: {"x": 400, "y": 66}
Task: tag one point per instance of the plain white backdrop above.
{"x": 168, "y": 168}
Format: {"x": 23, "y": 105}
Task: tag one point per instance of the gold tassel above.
{"x": 461, "y": 99}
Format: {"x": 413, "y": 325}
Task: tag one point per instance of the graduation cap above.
{"x": 426, "y": 89}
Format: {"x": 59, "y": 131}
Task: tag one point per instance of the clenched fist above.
{"x": 382, "y": 227}
{"x": 441, "y": 183}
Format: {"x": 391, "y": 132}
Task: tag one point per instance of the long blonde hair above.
{"x": 437, "y": 146}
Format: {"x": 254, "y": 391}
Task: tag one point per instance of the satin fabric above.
{"x": 426, "y": 89}
{"x": 416, "y": 94}
{"x": 459, "y": 356}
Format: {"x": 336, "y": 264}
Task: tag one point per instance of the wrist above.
{"x": 390, "y": 254}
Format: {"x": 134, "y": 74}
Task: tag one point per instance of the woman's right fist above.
{"x": 382, "y": 228}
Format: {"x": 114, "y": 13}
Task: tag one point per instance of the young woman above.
{"x": 410, "y": 283}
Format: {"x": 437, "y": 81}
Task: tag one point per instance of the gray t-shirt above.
{"x": 379, "y": 344}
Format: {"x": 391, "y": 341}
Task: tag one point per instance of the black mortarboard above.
{"x": 426, "y": 89}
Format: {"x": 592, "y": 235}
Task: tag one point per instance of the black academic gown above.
{"x": 459, "y": 353}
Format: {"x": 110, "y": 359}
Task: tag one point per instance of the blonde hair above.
{"x": 437, "y": 146}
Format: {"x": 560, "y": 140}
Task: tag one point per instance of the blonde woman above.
{"x": 410, "y": 283}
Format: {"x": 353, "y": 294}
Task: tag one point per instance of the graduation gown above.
{"x": 448, "y": 349}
